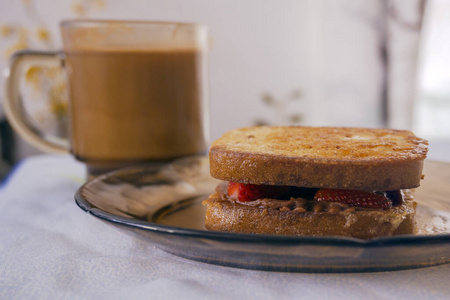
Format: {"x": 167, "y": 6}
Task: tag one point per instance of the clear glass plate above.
{"x": 162, "y": 203}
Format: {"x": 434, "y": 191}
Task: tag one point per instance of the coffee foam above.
{"x": 132, "y": 36}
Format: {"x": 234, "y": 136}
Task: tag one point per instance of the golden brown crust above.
{"x": 224, "y": 215}
{"x": 330, "y": 157}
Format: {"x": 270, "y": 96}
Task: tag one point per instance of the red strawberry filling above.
{"x": 249, "y": 192}
{"x": 371, "y": 200}
{"x": 354, "y": 198}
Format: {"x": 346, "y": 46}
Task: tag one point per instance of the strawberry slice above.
{"x": 249, "y": 192}
{"x": 354, "y": 198}
{"x": 233, "y": 190}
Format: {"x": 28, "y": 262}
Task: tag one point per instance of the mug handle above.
{"x": 13, "y": 102}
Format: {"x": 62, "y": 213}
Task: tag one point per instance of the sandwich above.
{"x": 320, "y": 181}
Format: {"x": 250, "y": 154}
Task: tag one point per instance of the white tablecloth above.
{"x": 51, "y": 249}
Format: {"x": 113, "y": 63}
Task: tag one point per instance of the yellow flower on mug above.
{"x": 79, "y": 9}
{"x": 33, "y": 74}
{"x": 6, "y": 30}
{"x": 42, "y": 34}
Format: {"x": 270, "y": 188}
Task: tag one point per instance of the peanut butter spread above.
{"x": 301, "y": 205}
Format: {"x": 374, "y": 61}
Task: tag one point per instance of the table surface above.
{"x": 51, "y": 249}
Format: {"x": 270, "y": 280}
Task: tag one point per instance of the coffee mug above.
{"x": 137, "y": 92}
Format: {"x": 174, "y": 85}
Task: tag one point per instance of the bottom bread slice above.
{"x": 225, "y": 215}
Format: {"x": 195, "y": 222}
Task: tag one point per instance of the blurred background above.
{"x": 372, "y": 63}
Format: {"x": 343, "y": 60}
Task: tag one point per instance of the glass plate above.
{"x": 162, "y": 203}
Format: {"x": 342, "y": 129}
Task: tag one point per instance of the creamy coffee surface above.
{"x": 133, "y": 36}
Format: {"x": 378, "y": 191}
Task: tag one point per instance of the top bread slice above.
{"x": 320, "y": 157}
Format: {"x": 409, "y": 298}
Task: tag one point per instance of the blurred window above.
{"x": 432, "y": 111}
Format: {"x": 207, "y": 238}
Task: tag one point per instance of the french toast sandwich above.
{"x": 295, "y": 180}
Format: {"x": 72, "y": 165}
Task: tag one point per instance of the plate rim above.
{"x": 398, "y": 240}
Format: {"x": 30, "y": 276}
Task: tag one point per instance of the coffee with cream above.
{"x": 136, "y": 105}
{"x": 137, "y": 91}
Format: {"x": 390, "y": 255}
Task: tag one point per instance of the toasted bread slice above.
{"x": 327, "y": 157}
{"x": 226, "y": 215}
